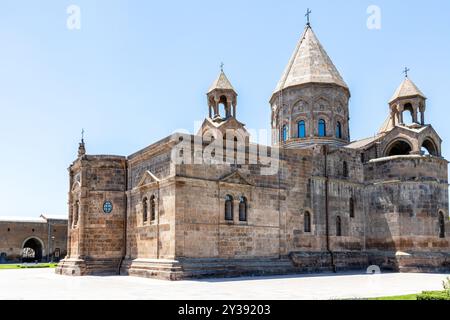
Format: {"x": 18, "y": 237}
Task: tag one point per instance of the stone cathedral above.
{"x": 331, "y": 205}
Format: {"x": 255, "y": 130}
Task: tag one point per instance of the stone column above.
{"x": 415, "y": 112}
{"x": 290, "y": 134}
{"x": 393, "y": 118}
{"x": 400, "y": 114}
{"x": 216, "y": 107}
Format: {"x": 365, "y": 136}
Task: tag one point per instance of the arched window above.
{"x": 322, "y": 128}
{"x": 352, "y": 207}
{"x": 284, "y": 133}
{"x": 76, "y": 213}
{"x": 429, "y": 148}
{"x": 152, "y": 208}
{"x": 409, "y": 107}
{"x": 301, "y": 129}
{"x": 441, "y": 225}
{"x": 145, "y": 210}
{"x": 398, "y": 148}
{"x": 229, "y": 208}
{"x": 339, "y": 130}
{"x": 307, "y": 222}
{"x": 243, "y": 209}
{"x": 345, "y": 169}
{"x": 338, "y": 226}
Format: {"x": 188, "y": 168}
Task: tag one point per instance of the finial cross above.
{"x": 221, "y": 66}
{"x": 406, "y": 72}
{"x": 308, "y": 13}
{"x": 82, "y": 135}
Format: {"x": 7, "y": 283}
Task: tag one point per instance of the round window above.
{"x": 107, "y": 207}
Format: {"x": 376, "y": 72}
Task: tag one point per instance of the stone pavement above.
{"x": 45, "y": 284}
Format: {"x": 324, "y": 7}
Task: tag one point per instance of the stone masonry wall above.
{"x": 98, "y": 235}
{"x": 13, "y": 235}
{"x": 403, "y": 209}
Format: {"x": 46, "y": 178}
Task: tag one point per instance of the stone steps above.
{"x": 102, "y": 267}
{"x": 201, "y": 268}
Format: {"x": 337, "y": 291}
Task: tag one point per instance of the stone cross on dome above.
{"x": 406, "y": 71}
{"x": 308, "y": 13}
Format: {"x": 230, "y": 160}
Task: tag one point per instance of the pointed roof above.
{"x": 407, "y": 89}
{"x": 388, "y": 125}
{"x": 309, "y": 64}
{"x": 221, "y": 83}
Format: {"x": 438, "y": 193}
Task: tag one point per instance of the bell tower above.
{"x": 220, "y": 95}
{"x": 222, "y": 103}
{"x": 408, "y": 97}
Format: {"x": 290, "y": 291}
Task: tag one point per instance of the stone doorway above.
{"x": 32, "y": 250}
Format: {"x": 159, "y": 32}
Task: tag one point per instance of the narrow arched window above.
{"x": 145, "y": 210}
{"x": 338, "y": 130}
{"x": 322, "y": 128}
{"x": 284, "y": 133}
{"x": 76, "y": 213}
{"x": 307, "y": 222}
{"x": 338, "y": 226}
{"x": 352, "y": 207}
{"x": 441, "y": 225}
{"x": 345, "y": 169}
{"x": 152, "y": 208}
{"x": 229, "y": 208}
{"x": 301, "y": 129}
{"x": 243, "y": 209}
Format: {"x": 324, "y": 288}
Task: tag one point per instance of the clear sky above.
{"x": 137, "y": 71}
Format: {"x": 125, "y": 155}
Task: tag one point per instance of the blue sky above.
{"x": 139, "y": 70}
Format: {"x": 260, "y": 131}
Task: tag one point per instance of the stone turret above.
{"x": 81, "y": 149}
{"x": 222, "y": 93}
{"x": 408, "y": 97}
{"x": 310, "y": 102}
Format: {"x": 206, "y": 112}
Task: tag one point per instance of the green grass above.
{"x": 27, "y": 266}
{"x": 407, "y": 297}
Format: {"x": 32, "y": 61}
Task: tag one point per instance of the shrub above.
{"x": 446, "y": 285}
{"x": 432, "y": 295}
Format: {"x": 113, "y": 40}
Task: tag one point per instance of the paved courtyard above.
{"x": 44, "y": 284}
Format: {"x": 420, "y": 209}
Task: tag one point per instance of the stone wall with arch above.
{"x": 50, "y": 235}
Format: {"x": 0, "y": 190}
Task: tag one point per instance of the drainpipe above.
{"x": 125, "y": 222}
{"x": 157, "y": 222}
{"x": 327, "y": 218}
{"x": 48, "y": 239}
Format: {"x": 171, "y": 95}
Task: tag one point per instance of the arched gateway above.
{"x": 32, "y": 250}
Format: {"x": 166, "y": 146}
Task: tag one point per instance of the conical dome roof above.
{"x": 407, "y": 89}
{"x": 309, "y": 64}
{"x": 221, "y": 83}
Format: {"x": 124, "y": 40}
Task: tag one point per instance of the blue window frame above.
{"x": 322, "y": 128}
{"x": 284, "y": 133}
{"x": 301, "y": 129}
{"x": 107, "y": 207}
